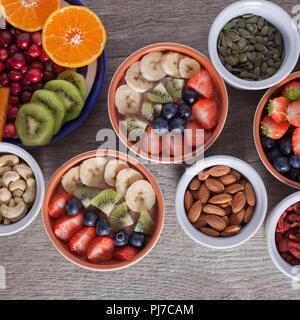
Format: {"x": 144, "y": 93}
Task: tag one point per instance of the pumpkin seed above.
{"x": 230, "y": 60}
{"x": 271, "y": 71}
{"x": 260, "y": 48}
{"x": 243, "y": 57}
{"x": 242, "y": 43}
{"x": 245, "y": 33}
{"x": 260, "y": 23}
{"x": 265, "y": 30}
{"x": 234, "y": 36}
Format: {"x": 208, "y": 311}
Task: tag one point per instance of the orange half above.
{"x": 74, "y": 36}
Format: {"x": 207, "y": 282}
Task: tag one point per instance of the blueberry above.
{"x": 282, "y": 164}
{"x": 268, "y": 143}
{"x": 121, "y": 238}
{"x": 274, "y": 154}
{"x": 168, "y": 111}
{"x": 286, "y": 146}
{"x": 177, "y": 124}
{"x": 293, "y": 174}
{"x": 161, "y": 125}
{"x": 138, "y": 240}
{"x": 190, "y": 96}
{"x": 184, "y": 111}
{"x": 295, "y": 161}
{"x": 90, "y": 218}
{"x": 73, "y": 206}
{"x": 103, "y": 227}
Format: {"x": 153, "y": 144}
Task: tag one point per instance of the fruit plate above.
{"x": 94, "y": 74}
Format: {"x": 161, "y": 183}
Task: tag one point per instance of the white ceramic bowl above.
{"x": 273, "y": 14}
{"x": 31, "y": 215}
{"x": 247, "y": 231}
{"x": 283, "y": 266}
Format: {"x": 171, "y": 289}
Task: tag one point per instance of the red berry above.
{"x": 57, "y": 206}
{"x": 272, "y": 129}
{"x": 37, "y": 38}
{"x": 43, "y": 56}
{"x": 12, "y": 49}
{"x": 34, "y": 50}
{"x": 9, "y": 130}
{"x": 24, "y": 69}
{"x": 37, "y": 86}
{"x": 18, "y": 32}
{"x": 23, "y": 40}
{"x": 3, "y": 54}
{"x": 12, "y": 113}
{"x": 14, "y": 100}
{"x": 16, "y": 87}
{"x": 4, "y": 79}
{"x": 26, "y": 96}
{"x": 37, "y": 65}
{"x": 202, "y": 83}
{"x": 5, "y": 38}
{"x": 34, "y": 75}
{"x": 48, "y": 75}
{"x": 15, "y": 75}
{"x": 28, "y": 57}
{"x": 58, "y": 69}
{"x": 18, "y": 61}
{"x": 25, "y": 81}
{"x": 205, "y": 112}
{"x": 8, "y": 64}
{"x": 2, "y": 66}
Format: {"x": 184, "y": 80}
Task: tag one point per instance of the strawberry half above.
{"x": 293, "y": 113}
{"x": 80, "y": 242}
{"x": 67, "y": 226}
{"x": 202, "y": 83}
{"x": 277, "y": 109}
{"x": 296, "y": 141}
{"x": 126, "y": 253}
{"x": 205, "y": 112}
{"x": 292, "y": 91}
{"x": 101, "y": 249}
{"x": 57, "y": 206}
{"x": 272, "y": 129}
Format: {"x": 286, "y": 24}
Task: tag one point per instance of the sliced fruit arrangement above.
{"x": 280, "y": 131}
{"x": 106, "y": 211}
{"x": 164, "y": 94}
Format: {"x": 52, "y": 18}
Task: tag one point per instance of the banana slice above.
{"x": 135, "y": 79}
{"x": 140, "y": 196}
{"x": 92, "y": 171}
{"x": 71, "y": 180}
{"x": 112, "y": 168}
{"x": 170, "y": 64}
{"x": 125, "y": 178}
{"x": 151, "y": 66}
{"x": 188, "y": 67}
{"x": 127, "y": 100}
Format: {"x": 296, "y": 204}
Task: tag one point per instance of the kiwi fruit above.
{"x": 54, "y": 103}
{"x": 151, "y": 111}
{"x": 174, "y": 87}
{"x": 76, "y": 79}
{"x": 85, "y": 195}
{"x": 120, "y": 218}
{"x": 144, "y": 223}
{"x": 35, "y": 124}
{"x": 159, "y": 94}
{"x": 106, "y": 200}
{"x": 135, "y": 127}
{"x": 71, "y": 96}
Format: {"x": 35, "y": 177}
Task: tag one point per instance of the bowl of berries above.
{"x": 167, "y": 103}
{"x": 277, "y": 130}
{"x": 103, "y": 210}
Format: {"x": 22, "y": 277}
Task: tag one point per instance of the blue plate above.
{"x": 94, "y": 74}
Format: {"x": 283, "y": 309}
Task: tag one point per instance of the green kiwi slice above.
{"x": 120, "y": 218}
{"x": 85, "y": 195}
{"x": 76, "y": 79}
{"x": 106, "y": 200}
{"x": 159, "y": 94}
{"x": 135, "y": 127}
{"x": 71, "y": 96}
{"x": 151, "y": 111}
{"x": 35, "y": 124}
{"x": 144, "y": 223}
{"x": 174, "y": 87}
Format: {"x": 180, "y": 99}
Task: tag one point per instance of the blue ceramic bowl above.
{"x": 94, "y": 74}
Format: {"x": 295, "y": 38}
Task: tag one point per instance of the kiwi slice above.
{"x": 35, "y": 124}
{"x": 144, "y": 223}
{"x": 76, "y": 79}
{"x": 120, "y": 218}
{"x": 54, "y": 102}
{"x": 151, "y": 111}
{"x": 135, "y": 127}
{"x": 174, "y": 87}
{"x": 85, "y": 195}
{"x": 159, "y": 94}
{"x": 106, "y": 200}
{"x": 71, "y": 96}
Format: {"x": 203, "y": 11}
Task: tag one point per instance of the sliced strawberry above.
{"x": 126, "y": 253}
{"x": 294, "y": 237}
{"x": 296, "y": 142}
{"x": 277, "y": 109}
{"x": 202, "y": 83}
{"x": 193, "y": 134}
{"x": 151, "y": 141}
{"x": 283, "y": 245}
{"x": 293, "y": 113}
{"x": 101, "y": 249}
{"x": 57, "y": 206}
{"x": 205, "y": 112}
{"x": 272, "y": 129}
{"x": 173, "y": 144}
{"x": 294, "y": 248}
{"x": 81, "y": 240}
{"x": 292, "y": 91}
{"x": 67, "y": 226}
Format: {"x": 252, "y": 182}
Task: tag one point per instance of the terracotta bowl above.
{"x": 218, "y": 81}
{"x": 64, "y": 249}
{"x": 260, "y": 113}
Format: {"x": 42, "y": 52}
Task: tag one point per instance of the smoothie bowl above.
{"x": 167, "y": 103}
{"x": 103, "y": 210}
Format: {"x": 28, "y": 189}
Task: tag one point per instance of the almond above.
{"x": 195, "y": 194}
{"x": 188, "y": 200}
{"x": 230, "y": 231}
{"x": 234, "y": 188}
{"x": 228, "y": 179}
{"x": 195, "y": 184}
{"x": 248, "y": 214}
{"x": 238, "y": 202}
{"x": 226, "y": 220}
{"x": 250, "y": 194}
{"x": 237, "y": 218}
{"x": 210, "y": 232}
{"x": 201, "y": 222}
{"x": 219, "y": 171}
{"x": 225, "y": 205}
{"x": 203, "y": 193}
{"x": 212, "y": 209}
{"x": 222, "y": 198}
{"x": 214, "y": 185}
{"x": 236, "y": 174}
{"x": 216, "y": 222}
{"x": 203, "y": 175}
{"x": 195, "y": 211}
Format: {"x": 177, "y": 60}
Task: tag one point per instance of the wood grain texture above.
{"x": 177, "y": 268}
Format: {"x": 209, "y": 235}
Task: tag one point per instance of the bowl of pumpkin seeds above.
{"x": 254, "y": 44}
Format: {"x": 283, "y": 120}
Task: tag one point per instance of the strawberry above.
{"x": 272, "y": 129}
{"x": 151, "y": 141}
{"x": 126, "y": 253}
{"x": 67, "y": 226}
{"x": 202, "y": 82}
{"x": 193, "y": 134}
{"x": 296, "y": 141}
{"x": 57, "y": 206}
{"x": 292, "y": 91}
{"x": 81, "y": 240}
{"x": 293, "y": 113}
{"x": 173, "y": 144}
{"x": 101, "y": 249}
{"x": 277, "y": 109}
{"x": 205, "y": 112}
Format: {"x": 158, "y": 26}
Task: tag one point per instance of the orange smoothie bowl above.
{"x": 55, "y": 187}
{"x": 220, "y": 94}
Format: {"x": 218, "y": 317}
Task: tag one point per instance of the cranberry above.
{"x": 43, "y": 56}
{"x": 58, "y": 69}
{"x": 48, "y": 75}
{"x": 26, "y": 81}
{"x": 37, "y": 38}
{"x": 9, "y": 130}
{"x": 12, "y": 113}
{"x": 15, "y": 75}
{"x": 24, "y": 69}
{"x": 4, "y": 79}
{"x": 12, "y": 49}
{"x": 18, "y": 32}
{"x": 14, "y": 100}
{"x": 2, "y": 66}
{"x": 16, "y": 87}
{"x": 34, "y": 75}
{"x": 23, "y": 40}
{"x": 28, "y": 57}
{"x": 34, "y": 50}
{"x": 37, "y": 65}
{"x": 18, "y": 61}
{"x": 37, "y": 86}
{"x": 5, "y": 38}
{"x": 3, "y": 54}
{"x": 26, "y": 95}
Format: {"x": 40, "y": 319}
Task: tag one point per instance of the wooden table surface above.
{"x": 177, "y": 268}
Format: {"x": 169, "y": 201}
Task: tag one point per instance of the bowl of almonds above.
{"x": 221, "y": 202}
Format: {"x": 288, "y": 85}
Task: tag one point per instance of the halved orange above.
{"x": 28, "y": 15}
{"x": 73, "y": 36}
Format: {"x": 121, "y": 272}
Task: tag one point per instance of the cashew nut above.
{"x": 4, "y": 169}
{"x": 9, "y": 177}
{"x": 17, "y": 193}
{"x": 5, "y": 196}
{"x": 12, "y": 203}
{"x": 30, "y": 193}
{"x": 24, "y": 171}
{"x": 13, "y": 212}
{"x": 18, "y": 184}
{"x": 9, "y": 160}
